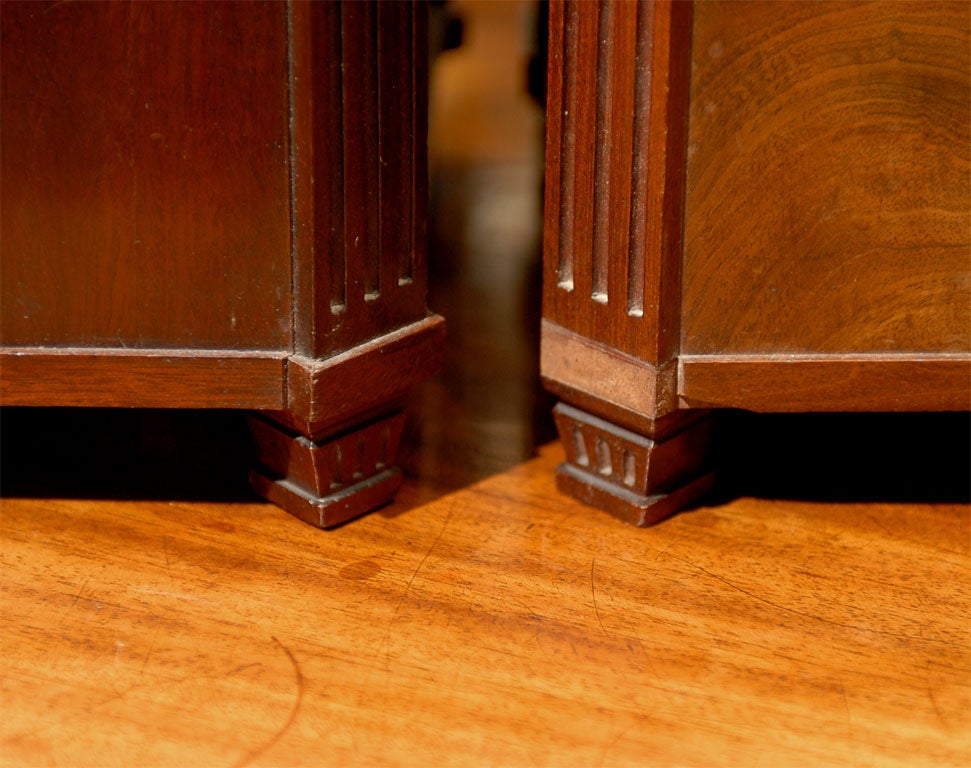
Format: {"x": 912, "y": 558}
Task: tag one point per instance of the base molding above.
{"x": 794, "y": 383}
{"x": 96, "y": 377}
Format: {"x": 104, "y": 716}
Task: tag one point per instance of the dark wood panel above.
{"x": 781, "y": 383}
{"x": 145, "y": 181}
{"x": 162, "y": 378}
{"x": 615, "y": 170}
{"x": 829, "y": 178}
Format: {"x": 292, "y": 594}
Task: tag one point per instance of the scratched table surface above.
{"x": 499, "y": 624}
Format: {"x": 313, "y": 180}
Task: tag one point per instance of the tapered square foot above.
{"x": 330, "y": 481}
{"x": 640, "y": 479}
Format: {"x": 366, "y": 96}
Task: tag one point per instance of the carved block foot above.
{"x": 637, "y": 478}
{"x": 328, "y": 481}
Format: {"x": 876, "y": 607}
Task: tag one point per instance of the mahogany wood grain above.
{"x": 104, "y": 378}
{"x": 322, "y": 393}
{"x": 144, "y": 164}
{"x": 571, "y": 362}
{"x": 615, "y": 155}
{"x": 824, "y": 194}
{"x": 331, "y": 480}
{"x": 781, "y": 383}
{"x": 498, "y": 625}
{"x": 615, "y": 136}
{"x": 829, "y": 179}
{"x": 640, "y": 477}
{"x": 247, "y": 178}
{"x": 358, "y": 84}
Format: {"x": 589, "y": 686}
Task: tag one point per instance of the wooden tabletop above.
{"x": 500, "y": 624}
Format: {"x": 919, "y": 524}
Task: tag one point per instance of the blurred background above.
{"x": 487, "y": 411}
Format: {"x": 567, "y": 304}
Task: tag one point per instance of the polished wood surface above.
{"x": 829, "y": 179}
{"x": 223, "y": 205}
{"x": 154, "y": 613}
{"x": 758, "y": 205}
{"x": 617, "y": 106}
{"x": 882, "y": 383}
{"x": 142, "y": 378}
{"x": 616, "y": 136}
{"x": 501, "y": 624}
{"x": 360, "y": 83}
{"x": 144, "y": 171}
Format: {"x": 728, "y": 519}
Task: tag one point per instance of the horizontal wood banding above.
{"x": 145, "y": 378}
{"x": 791, "y": 383}
{"x": 605, "y": 373}
{"x": 502, "y": 622}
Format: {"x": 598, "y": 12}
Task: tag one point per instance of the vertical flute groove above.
{"x": 372, "y": 252}
{"x": 600, "y": 249}
{"x": 638, "y": 211}
{"x": 336, "y": 255}
{"x": 568, "y": 152}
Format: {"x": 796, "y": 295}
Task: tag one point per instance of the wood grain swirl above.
{"x": 829, "y": 179}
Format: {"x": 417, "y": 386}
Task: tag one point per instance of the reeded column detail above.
{"x": 615, "y": 169}
{"x": 359, "y": 157}
{"x": 362, "y": 334}
{"x": 614, "y": 185}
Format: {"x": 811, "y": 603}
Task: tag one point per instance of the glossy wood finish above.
{"x": 324, "y": 393}
{"x": 817, "y": 155}
{"x": 615, "y": 166}
{"x": 358, "y": 80}
{"x": 105, "y": 378}
{"x": 641, "y": 478}
{"x": 829, "y": 179}
{"x": 144, "y": 171}
{"x": 222, "y": 206}
{"x": 882, "y": 383}
{"x": 501, "y": 625}
{"x": 330, "y": 456}
{"x": 615, "y": 170}
{"x": 328, "y": 481}
{"x": 359, "y": 83}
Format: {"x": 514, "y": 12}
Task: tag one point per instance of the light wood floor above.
{"x": 500, "y": 624}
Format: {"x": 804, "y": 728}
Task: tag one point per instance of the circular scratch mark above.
{"x": 298, "y": 676}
